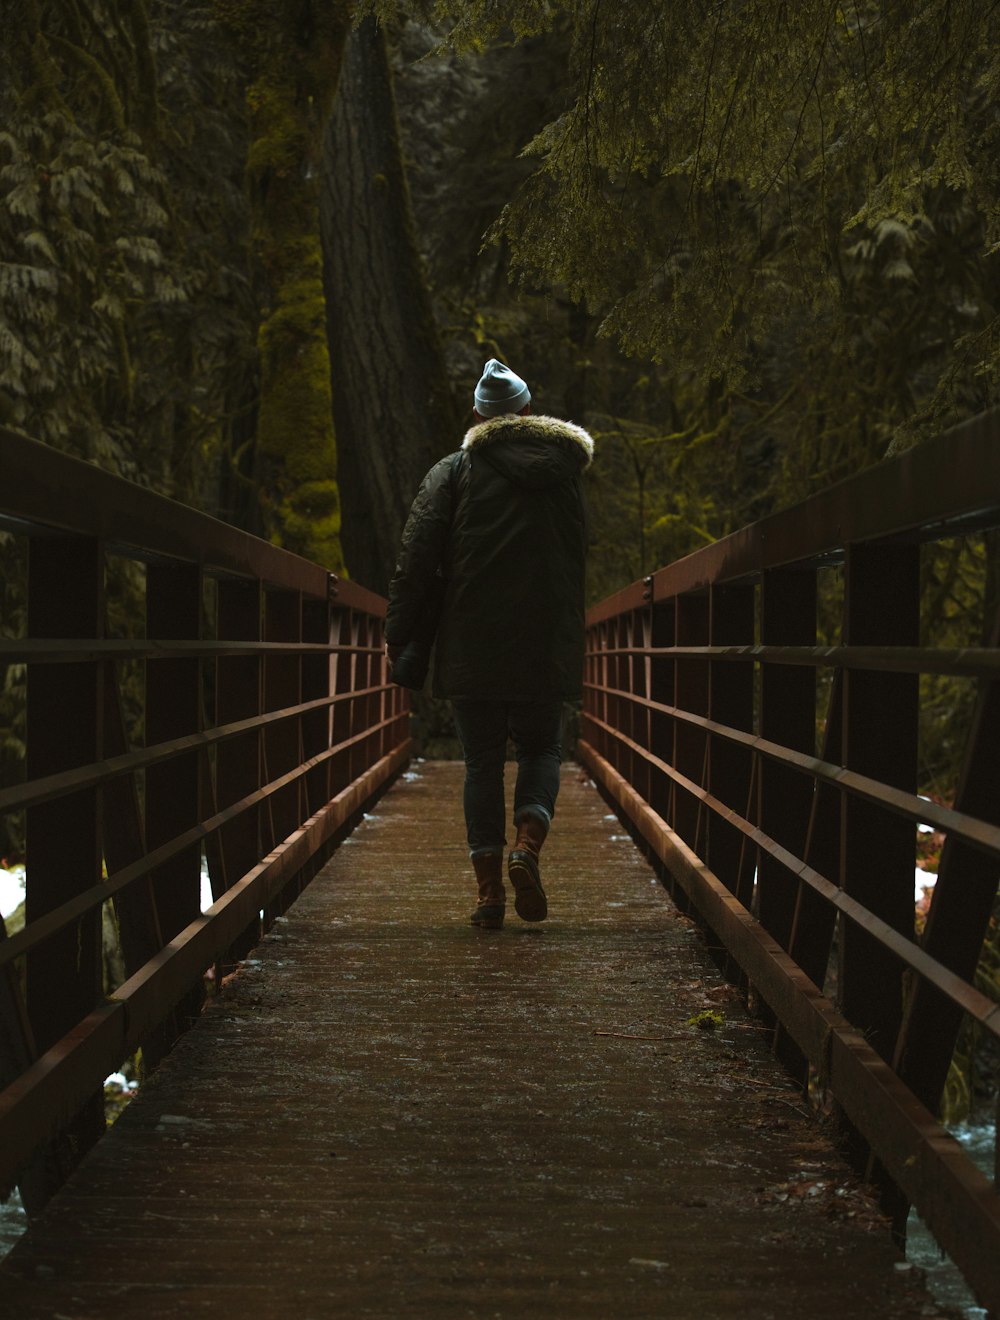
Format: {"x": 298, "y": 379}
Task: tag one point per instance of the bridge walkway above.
{"x": 386, "y": 1112}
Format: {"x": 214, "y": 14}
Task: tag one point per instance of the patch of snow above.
{"x": 923, "y": 880}
{"x": 206, "y": 886}
{"x": 11, "y": 889}
{"x": 13, "y": 1222}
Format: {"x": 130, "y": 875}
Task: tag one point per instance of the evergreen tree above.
{"x": 789, "y": 210}
{"x": 125, "y": 315}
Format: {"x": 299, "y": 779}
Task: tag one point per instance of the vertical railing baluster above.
{"x": 731, "y": 623}
{"x": 614, "y": 702}
{"x": 882, "y": 608}
{"x": 788, "y": 717}
{"x": 662, "y": 668}
{"x": 315, "y": 686}
{"x": 343, "y": 628}
{"x": 629, "y": 712}
{"x": 238, "y": 760}
{"x": 124, "y": 836}
{"x": 662, "y": 690}
{"x": 602, "y": 706}
{"x": 690, "y": 694}
{"x": 63, "y": 838}
{"x": 814, "y": 921}
{"x": 282, "y": 623}
{"x": 643, "y": 672}
{"x": 371, "y": 702}
{"x": 172, "y": 799}
{"x": 359, "y": 704}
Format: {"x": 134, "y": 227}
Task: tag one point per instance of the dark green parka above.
{"x": 503, "y": 519}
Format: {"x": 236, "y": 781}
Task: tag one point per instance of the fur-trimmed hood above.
{"x": 532, "y": 428}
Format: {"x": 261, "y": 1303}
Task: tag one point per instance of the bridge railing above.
{"x": 200, "y": 708}
{"x": 789, "y": 825}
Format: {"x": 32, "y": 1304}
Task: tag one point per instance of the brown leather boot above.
{"x": 492, "y": 899}
{"x": 530, "y": 902}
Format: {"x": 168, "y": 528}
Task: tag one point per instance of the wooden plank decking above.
{"x": 388, "y": 1112}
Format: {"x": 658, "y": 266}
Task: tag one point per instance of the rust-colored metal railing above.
{"x": 241, "y": 724}
{"x": 791, "y": 829}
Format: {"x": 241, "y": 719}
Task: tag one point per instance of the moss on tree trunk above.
{"x": 294, "y": 52}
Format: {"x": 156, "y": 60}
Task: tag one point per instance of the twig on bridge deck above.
{"x": 628, "y": 1035}
{"x": 790, "y": 1090}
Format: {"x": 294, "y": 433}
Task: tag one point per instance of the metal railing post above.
{"x": 64, "y": 851}
{"x": 315, "y": 685}
{"x": 691, "y": 692}
{"x": 238, "y": 687}
{"x": 731, "y": 704}
{"x": 342, "y": 713}
{"x": 788, "y": 717}
{"x": 282, "y": 745}
{"x": 124, "y": 836}
{"x": 661, "y": 725}
{"x": 172, "y": 796}
{"x": 882, "y": 608}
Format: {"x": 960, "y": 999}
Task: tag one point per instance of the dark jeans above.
{"x": 536, "y": 730}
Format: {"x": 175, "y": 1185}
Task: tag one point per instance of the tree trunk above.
{"x": 293, "y": 50}
{"x": 392, "y": 405}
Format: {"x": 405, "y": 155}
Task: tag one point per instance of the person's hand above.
{"x": 392, "y": 653}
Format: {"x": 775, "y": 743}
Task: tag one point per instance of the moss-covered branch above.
{"x": 84, "y": 61}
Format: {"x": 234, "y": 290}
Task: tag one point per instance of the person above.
{"x": 503, "y": 522}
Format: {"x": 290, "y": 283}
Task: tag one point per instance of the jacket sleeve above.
{"x": 422, "y": 551}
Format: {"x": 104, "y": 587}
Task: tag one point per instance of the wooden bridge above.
{"x": 380, "y": 1109}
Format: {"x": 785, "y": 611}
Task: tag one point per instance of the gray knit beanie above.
{"x": 500, "y": 391}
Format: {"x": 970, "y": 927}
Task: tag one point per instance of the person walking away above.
{"x": 503, "y": 522}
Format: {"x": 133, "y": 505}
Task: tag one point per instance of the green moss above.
{"x": 295, "y": 426}
{"x": 295, "y": 423}
{"x": 706, "y": 1020}
{"x": 280, "y": 136}
{"x": 295, "y": 65}
{"x": 311, "y": 517}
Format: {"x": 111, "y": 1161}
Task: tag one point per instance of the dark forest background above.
{"x": 254, "y": 253}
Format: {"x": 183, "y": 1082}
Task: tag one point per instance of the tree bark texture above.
{"x": 293, "y": 50}
{"x": 392, "y": 405}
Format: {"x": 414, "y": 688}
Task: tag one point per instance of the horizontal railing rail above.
{"x": 784, "y": 809}
{"x": 240, "y": 729}
{"x": 961, "y": 662}
{"x": 45, "y": 789}
{"x": 912, "y": 806}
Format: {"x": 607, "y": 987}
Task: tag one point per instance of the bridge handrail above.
{"x": 700, "y": 724}
{"x": 262, "y": 727}
{"x": 944, "y": 487}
